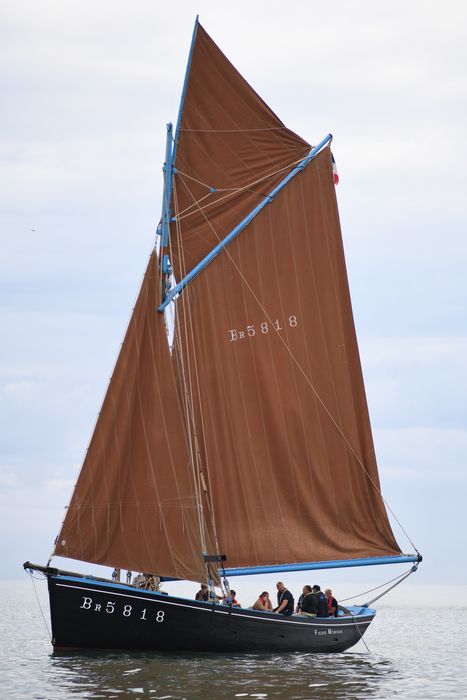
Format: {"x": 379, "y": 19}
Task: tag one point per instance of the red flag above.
{"x": 335, "y": 174}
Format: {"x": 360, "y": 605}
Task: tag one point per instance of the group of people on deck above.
{"x": 312, "y": 602}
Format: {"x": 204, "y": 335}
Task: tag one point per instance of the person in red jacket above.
{"x": 332, "y": 603}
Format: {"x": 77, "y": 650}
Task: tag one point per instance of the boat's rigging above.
{"x": 231, "y": 191}
{"x": 197, "y": 462}
{"x": 280, "y": 516}
{"x": 189, "y": 428}
{"x": 402, "y": 578}
{"x": 41, "y": 578}
{"x": 292, "y": 356}
{"x": 360, "y": 633}
{"x": 242, "y": 225}
{"x": 399, "y": 578}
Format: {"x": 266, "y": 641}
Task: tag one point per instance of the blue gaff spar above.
{"x": 246, "y": 446}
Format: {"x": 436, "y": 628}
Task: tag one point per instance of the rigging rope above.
{"x": 376, "y": 588}
{"x": 361, "y": 633}
{"x": 39, "y": 602}
{"x": 302, "y": 371}
{"x": 373, "y": 600}
{"x": 202, "y": 488}
{"x": 231, "y": 191}
{"x": 188, "y": 411}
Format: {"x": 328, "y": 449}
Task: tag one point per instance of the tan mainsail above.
{"x": 252, "y": 439}
{"x": 135, "y": 502}
{"x": 288, "y": 444}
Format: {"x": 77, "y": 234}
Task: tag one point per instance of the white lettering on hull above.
{"x": 111, "y": 607}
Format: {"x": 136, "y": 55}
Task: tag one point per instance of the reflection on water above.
{"x": 178, "y": 676}
{"x": 415, "y": 653}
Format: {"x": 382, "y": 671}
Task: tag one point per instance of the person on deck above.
{"x": 263, "y": 603}
{"x": 322, "y": 601}
{"x": 203, "y": 593}
{"x": 332, "y": 603}
{"x": 285, "y": 600}
{"x": 309, "y": 603}
{"x": 231, "y": 600}
{"x": 306, "y": 590}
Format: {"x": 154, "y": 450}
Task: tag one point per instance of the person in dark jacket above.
{"x": 305, "y": 591}
{"x": 309, "y": 603}
{"x": 322, "y": 601}
{"x": 285, "y": 600}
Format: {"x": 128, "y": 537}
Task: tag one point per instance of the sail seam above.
{"x": 234, "y": 131}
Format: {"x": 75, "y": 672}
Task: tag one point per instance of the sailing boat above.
{"x": 234, "y": 438}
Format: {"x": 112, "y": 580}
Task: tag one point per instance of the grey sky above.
{"x": 87, "y": 88}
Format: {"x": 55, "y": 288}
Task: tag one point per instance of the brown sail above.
{"x": 135, "y": 502}
{"x": 253, "y": 438}
{"x": 267, "y": 328}
{"x": 231, "y": 149}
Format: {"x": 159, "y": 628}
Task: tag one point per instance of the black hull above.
{"x": 89, "y": 614}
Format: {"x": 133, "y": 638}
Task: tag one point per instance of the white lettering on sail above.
{"x": 263, "y": 328}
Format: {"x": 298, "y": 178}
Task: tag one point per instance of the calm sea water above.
{"x": 412, "y": 653}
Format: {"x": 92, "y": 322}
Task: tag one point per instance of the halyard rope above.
{"x": 199, "y": 478}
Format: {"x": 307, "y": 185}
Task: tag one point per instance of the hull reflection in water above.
{"x": 99, "y": 615}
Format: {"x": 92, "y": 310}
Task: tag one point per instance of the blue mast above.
{"x": 166, "y": 212}
{"x": 170, "y": 154}
{"x": 185, "y": 85}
